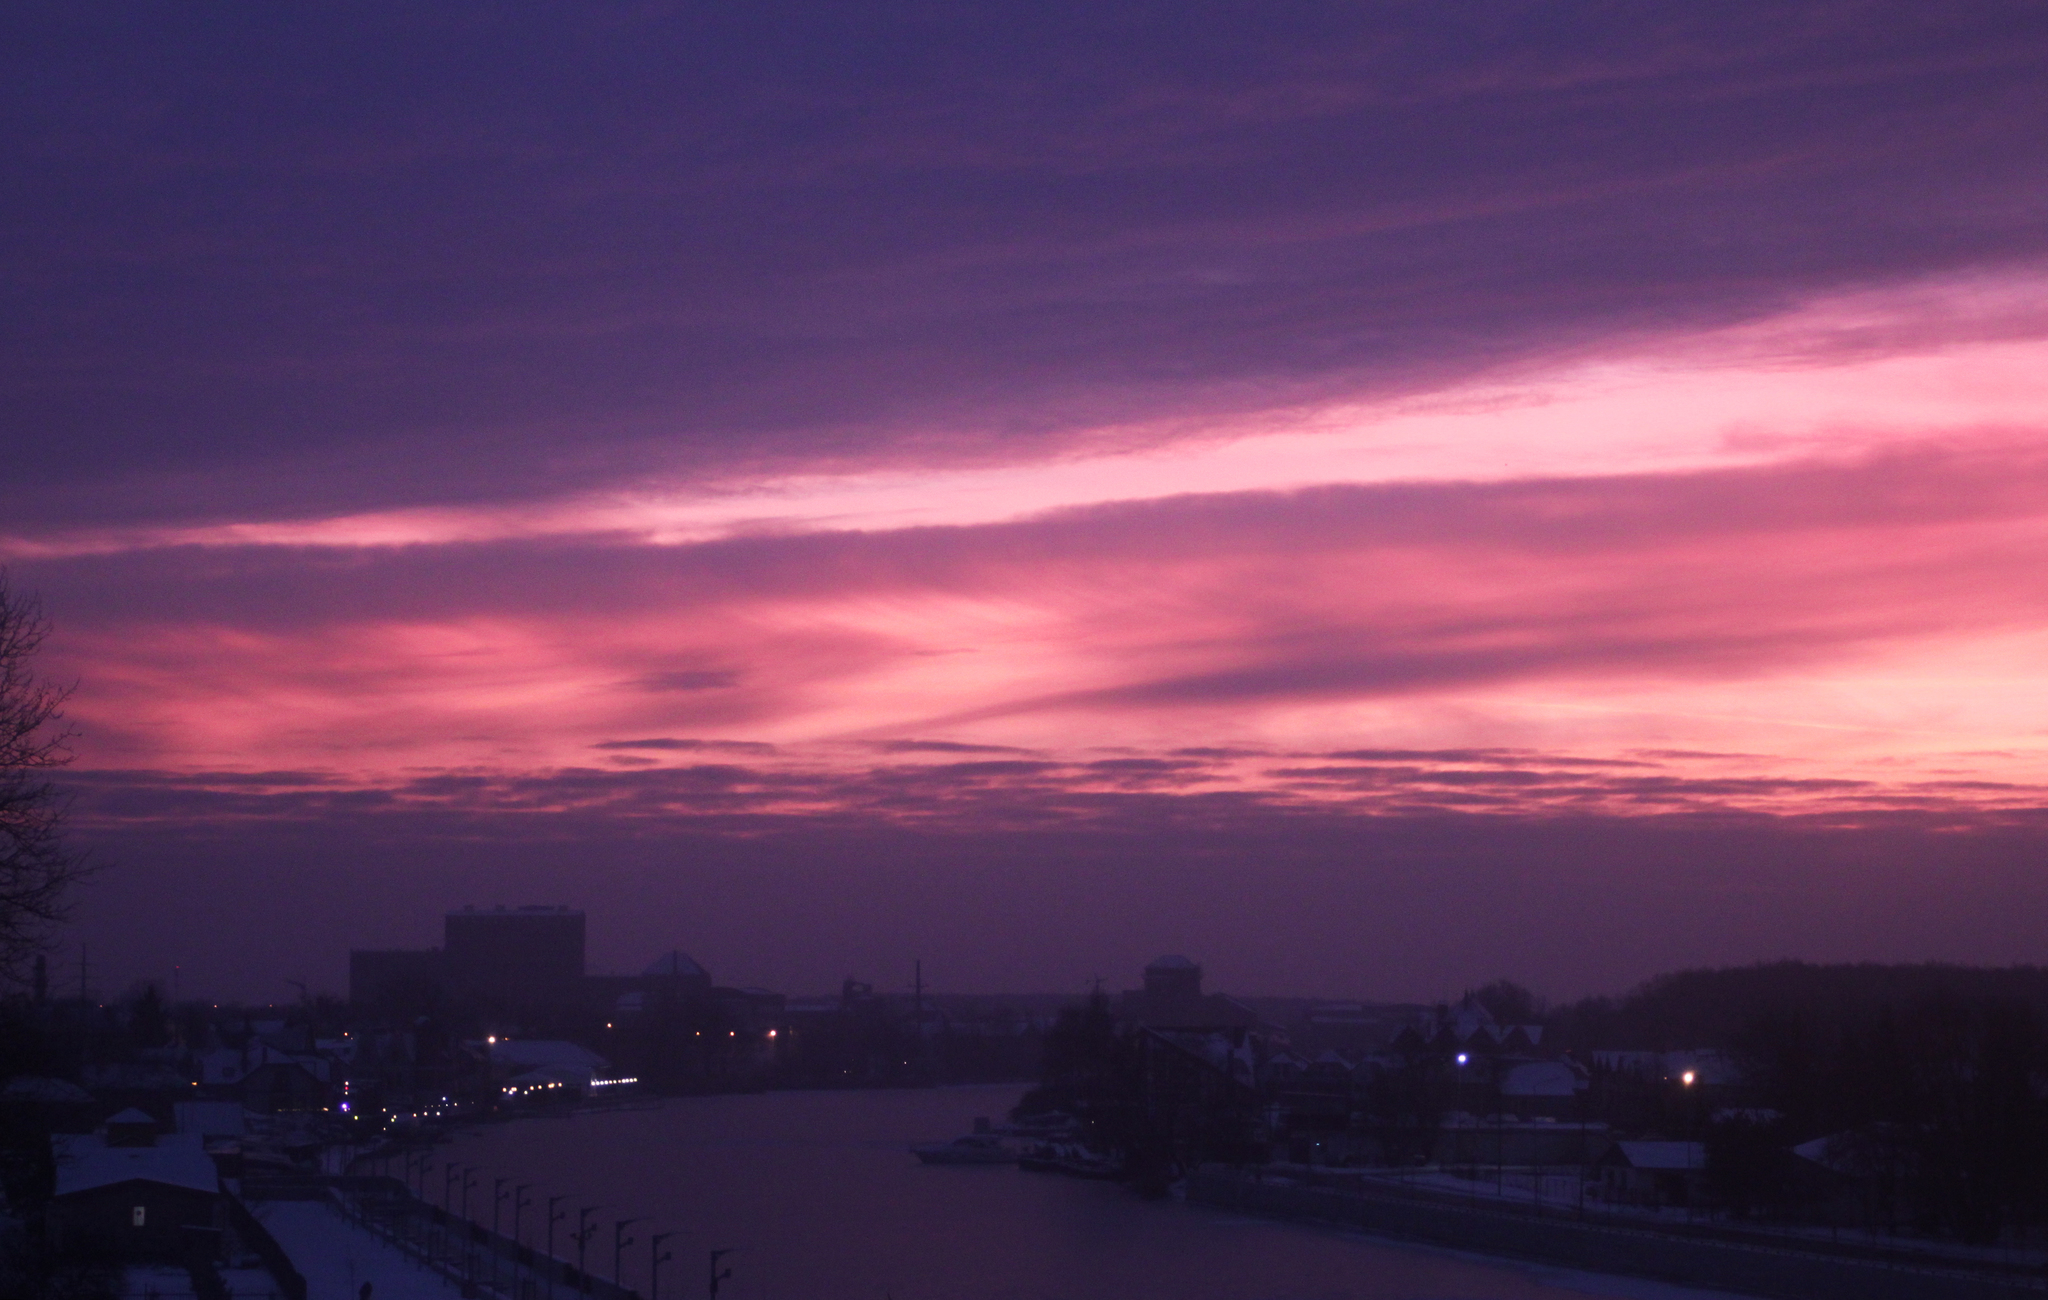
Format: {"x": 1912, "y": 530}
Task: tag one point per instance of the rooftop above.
{"x": 85, "y": 1162}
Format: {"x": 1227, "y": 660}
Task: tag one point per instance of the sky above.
{"x": 1377, "y": 497}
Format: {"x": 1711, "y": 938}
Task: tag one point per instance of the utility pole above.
{"x": 619, "y": 1243}
{"x": 716, "y": 1275}
{"x": 468, "y": 1228}
{"x": 554, "y": 1216}
{"x": 584, "y": 1228}
{"x": 655, "y": 1257}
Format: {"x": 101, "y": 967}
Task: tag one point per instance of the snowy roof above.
{"x": 132, "y": 1116}
{"x": 675, "y": 962}
{"x": 31, "y": 1087}
{"x": 552, "y": 1074}
{"x": 85, "y": 1162}
{"x": 1664, "y": 1155}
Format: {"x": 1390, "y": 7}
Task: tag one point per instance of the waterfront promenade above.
{"x": 1779, "y": 1268}
{"x": 337, "y": 1256}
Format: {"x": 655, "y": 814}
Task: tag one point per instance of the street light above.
{"x": 448, "y": 1186}
{"x": 468, "y": 1181}
{"x": 497, "y": 1199}
{"x": 519, "y": 1203}
{"x": 619, "y": 1243}
{"x": 554, "y": 1217}
{"x": 655, "y": 1256}
{"x": 716, "y": 1275}
{"x": 584, "y": 1228}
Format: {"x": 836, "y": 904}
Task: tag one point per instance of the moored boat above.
{"x": 974, "y": 1149}
{"x": 1071, "y": 1159}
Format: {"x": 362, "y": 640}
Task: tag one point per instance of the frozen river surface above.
{"x": 821, "y": 1199}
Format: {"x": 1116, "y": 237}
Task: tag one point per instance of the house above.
{"x": 1867, "y": 1176}
{"x": 1545, "y": 1088}
{"x": 131, "y": 1193}
{"x": 265, "y": 1078}
{"x": 1652, "y": 1173}
{"x": 1466, "y": 1029}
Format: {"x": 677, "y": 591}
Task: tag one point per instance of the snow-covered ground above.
{"x": 155, "y": 1282}
{"x": 337, "y": 1257}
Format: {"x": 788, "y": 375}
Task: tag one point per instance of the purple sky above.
{"x": 1376, "y": 497}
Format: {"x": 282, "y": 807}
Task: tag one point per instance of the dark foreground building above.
{"x": 130, "y": 1193}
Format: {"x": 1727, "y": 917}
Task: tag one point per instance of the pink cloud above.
{"x": 1727, "y": 609}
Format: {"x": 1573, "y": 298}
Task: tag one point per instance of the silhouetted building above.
{"x": 1173, "y": 999}
{"x": 395, "y": 981}
{"x": 513, "y": 957}
{"x": 517, "y": 962}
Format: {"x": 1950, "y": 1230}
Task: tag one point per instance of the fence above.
{"x": 1695, "y": 1258}
{"x": 480, "y": 1260}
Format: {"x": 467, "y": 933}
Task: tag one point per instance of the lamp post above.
{"x": 468, "y": 1242}
{"x": 584, "y": 1228}
{"x": 448, "y": 1186}
{"x": 716, "y": 1275}
{"x": 655, "y": 1256}
{"x": 619, "y": 1243}
{"x": 555, "y": 1216}
{"x": 519, "y": 1203}
{"x": 497, "y": 1202}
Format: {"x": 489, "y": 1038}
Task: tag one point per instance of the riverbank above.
{"x": 1776, "y": 1270}
{"x": 820, "y": 1194}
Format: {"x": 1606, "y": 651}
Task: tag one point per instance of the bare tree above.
{"x": 36, "y": 870}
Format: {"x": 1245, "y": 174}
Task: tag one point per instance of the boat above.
{"x": 1071, "y": 1159}
{"x": 974, "y": 1149}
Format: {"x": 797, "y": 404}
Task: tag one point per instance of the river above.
{"x": 819, "y": 1198}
